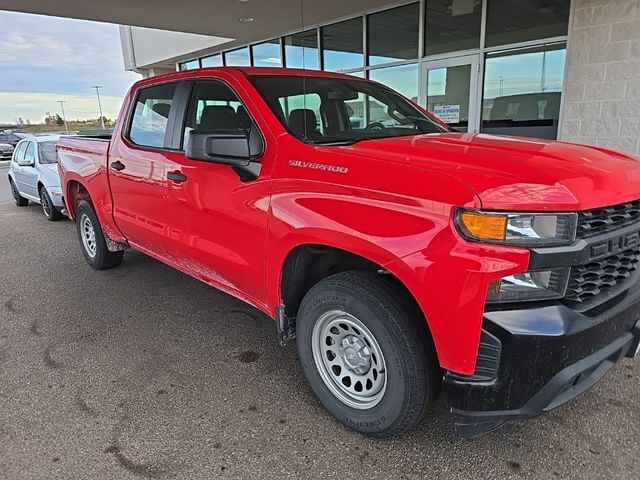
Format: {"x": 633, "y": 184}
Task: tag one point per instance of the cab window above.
{"x": 151, "y": 115}
{"x": 215, "y": 106}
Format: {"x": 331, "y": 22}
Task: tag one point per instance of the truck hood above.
{"x": 516, "y": 173}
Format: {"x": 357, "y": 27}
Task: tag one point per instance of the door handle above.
{"x": 117, "y": 165}
{"x": 176, "y": 177}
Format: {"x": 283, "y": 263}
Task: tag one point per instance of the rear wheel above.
{"x": 51, "y": 212}
{"x": 94, "y": 246}
{"x": 366, "y": 354}
{"x": 19, "y": 199}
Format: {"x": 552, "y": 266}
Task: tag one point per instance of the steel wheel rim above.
{"x": 44, "y": 201}
{"x": 88, "y": 235}
{"x": 349, "y": 360}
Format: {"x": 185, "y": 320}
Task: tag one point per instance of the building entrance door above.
{"x": 449, "y": 90}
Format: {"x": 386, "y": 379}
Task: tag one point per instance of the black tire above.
{"x": 397, "y": 325}
{"x": 100, "y": 258}
{"x": 19, "y": 199}
{"x": 50, "y": 212}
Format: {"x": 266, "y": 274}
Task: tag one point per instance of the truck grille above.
{"x": 601, "y": 276}
{"x": 606, "y": 219}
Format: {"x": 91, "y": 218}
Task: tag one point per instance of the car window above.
{"x": 327, "y": 110}
{"x": 30, "y": 152}
{"x": 8, "y": 137}
{"x": 307, "y": 101}
{"x": 151, "y": 115}
{"x": 215, "y": 106}
{"x": 19, "y": 151}
{"x": 47, "y": 153}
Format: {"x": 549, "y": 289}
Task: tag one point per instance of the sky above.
{"x": 46, "y": 59}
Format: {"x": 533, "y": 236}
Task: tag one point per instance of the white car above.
{"x": 33, "y": 175}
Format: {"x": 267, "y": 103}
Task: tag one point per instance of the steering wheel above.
{"x": 374, "y": 126}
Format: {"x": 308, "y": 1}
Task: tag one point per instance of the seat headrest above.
{"x": 216, "y": 117}
{"x": 303, "y": 122}
{"x": 162, "y": 109}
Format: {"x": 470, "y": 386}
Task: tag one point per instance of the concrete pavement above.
{"x": 142, "y": 372}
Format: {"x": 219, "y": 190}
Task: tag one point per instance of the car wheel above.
{"x": 51, "y": 212}
{"x": 19, "y": 199}
{"x": 94, "y": 246}
{"x": 366, "y": 352}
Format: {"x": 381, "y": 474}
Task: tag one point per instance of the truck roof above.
{"x": 247, "y": 71}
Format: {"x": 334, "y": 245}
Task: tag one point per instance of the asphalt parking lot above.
{"x": 142, "y": 372}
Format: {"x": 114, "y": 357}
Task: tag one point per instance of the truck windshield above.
{"x": 341, "y": 111}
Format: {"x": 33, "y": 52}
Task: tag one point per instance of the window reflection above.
{"x": 512, "y": 21}
{"x": 403, "y": 79}
{"x": 452, "y": 25}
{"x": 342, "y": 45}
{"x": 267, "y": 54}
{"x": 301, "y": 50}
{"x": 238, "y": 58}
{"x": 393, "y": 34}
{"x": 212, "y": 61}
{"x": 522, "y": 92}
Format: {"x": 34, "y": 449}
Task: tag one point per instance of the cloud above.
{"x": 44, "y": 59}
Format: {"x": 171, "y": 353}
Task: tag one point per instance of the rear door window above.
{"x": 151, "y": 115}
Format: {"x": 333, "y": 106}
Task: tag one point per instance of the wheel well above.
{"x": 40, "y": 185}
{"x": 307, "y": 264}
{"x": 77, "y": 193}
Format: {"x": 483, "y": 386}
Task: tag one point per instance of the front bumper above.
{"x": 533, "y": 360}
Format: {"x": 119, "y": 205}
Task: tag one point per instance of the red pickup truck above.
{"x": 403, "y": 258}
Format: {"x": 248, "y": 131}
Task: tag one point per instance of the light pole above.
{"x": 98, "y": 87}
{"x": 64, "y": 117}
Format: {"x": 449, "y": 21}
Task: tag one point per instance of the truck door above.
{"x": 218, "y": 220}
{"x": 136, "y": 169}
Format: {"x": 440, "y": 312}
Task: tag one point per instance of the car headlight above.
{"x": 518, "y": 229}
{"x": 530, "y": 286}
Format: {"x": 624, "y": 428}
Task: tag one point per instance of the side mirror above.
{"x": 25, "y": 162}
{"x": 228, "y": 147}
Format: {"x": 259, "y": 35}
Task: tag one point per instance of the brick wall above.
{"x": 602, "y": 89}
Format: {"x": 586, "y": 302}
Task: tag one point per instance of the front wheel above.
{"x": 366, "y": 354}
{"x": 94, "y": 246}
{"x": 49, "y": 210}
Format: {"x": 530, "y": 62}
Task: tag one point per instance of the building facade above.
{"x": 544, "y": 68}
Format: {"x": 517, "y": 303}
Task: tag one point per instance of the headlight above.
{"x": 520, "y": 229}
{"x": 530, "y": 286}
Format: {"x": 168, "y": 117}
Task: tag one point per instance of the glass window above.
{"x": 342, "y": 45}
{"x": 190, "y": 65}
{"x": 215, "y": 106}
{"x": 212, "y": 61}
{"x": 511, "y": 21}
{"x": 448, "y": 90}
{"x": 19, "y": 151}
{"x": 452, "y": 25}
{"x": 293, "y": 105}
{"x": 30, "y": 152}
{"x": 150, "y": 116}
{"x": 47, "y": 153}
{"x": 267, "y": 54}
{"x": 237, "y": 58}
{"x": 522, "y": 91}
{"x": 403, "y": 79}
{"x": 393, "y": 34}
{"x": 340, "y": 111}
{"x": 301, "y": 50}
